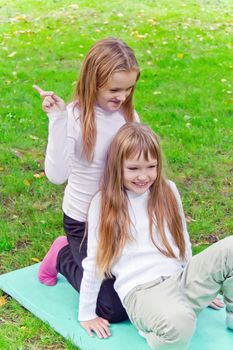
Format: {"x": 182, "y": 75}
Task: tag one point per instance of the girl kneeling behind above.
{"x": 137, "y": 232}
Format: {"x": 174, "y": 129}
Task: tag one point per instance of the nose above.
{"x": 122, "y": 97}
{"x": 142, "y": 177}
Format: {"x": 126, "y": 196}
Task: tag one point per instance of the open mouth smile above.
{"x": 140, "y": 184}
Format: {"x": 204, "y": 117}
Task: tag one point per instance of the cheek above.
{"x": 128, "y": 93}
{"x": 127, "y": 176}
{"x": 102, "y": 95}
{"x": 153, "y": 175}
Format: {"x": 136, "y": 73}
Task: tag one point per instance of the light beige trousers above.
{"x": 166, "y": 309}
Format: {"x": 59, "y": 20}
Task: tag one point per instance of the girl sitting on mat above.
{"x": 79, "y": 136}
{"x": 137, "y": 232}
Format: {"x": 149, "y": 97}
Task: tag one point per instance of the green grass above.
{"x": 185, "y": 93}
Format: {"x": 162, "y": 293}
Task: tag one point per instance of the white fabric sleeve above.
{"x": 59, "y": 148}
{"x": 188, "y": 253}
{"x": 91, "y": 282}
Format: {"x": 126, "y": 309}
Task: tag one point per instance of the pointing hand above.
{"x": 51, "y": 102}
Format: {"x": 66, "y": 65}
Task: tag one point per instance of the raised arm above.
{"x": 60, "y": 146}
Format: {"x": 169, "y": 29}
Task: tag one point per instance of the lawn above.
{"x": 185, "y": 93}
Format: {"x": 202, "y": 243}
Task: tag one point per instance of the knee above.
{"x": 181, "y": 328}
{"x": 226, "y": 243}
{"x": 176, "y": 330}
{"x": 226, "y": 247}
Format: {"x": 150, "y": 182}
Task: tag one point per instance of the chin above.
{"x": 110, "y": 108}
{"x": 139, "y": 190}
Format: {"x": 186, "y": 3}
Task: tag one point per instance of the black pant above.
{"x": 69, "y": 264}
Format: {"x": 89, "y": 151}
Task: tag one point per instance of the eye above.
{"x": 132, "y": 168}
{"x": 114, "y": 90}
{"x": 152, "y": 166}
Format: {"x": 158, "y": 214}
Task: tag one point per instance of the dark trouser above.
{"x": 69, "y": 264}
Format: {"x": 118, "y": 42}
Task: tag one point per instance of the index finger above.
{"x": 42, "y": 92}
{"x": 38, "y": 89}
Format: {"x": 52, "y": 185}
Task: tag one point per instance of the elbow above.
{"x": 55, "y": 179}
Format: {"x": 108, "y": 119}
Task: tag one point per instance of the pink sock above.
{"x": 47, "y": 272}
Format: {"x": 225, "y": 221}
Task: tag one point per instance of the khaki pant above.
{"x": 167, "y": 308}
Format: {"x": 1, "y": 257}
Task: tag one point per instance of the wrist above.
{"x": 57, "y": 115}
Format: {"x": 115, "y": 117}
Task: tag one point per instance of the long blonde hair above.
{"x": 106, "y": 57}
{"x": 134, "y": 139}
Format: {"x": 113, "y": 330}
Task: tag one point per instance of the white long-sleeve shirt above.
{"x": 140, "y": 261}
{"x": 65, "y": 160}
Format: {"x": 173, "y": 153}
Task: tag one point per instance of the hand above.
{"x": 99, "y": 325}
{"x": 51, "y": 102}
{"x": 217, "y": 304}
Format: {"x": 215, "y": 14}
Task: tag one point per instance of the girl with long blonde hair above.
{"x": 137, "y": 232}
{"x": 79, "y": 135}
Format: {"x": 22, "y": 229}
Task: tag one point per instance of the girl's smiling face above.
{"x": 111, "y": 96}
{"x": 139, "y": 174}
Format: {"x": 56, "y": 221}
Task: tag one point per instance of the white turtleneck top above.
{"x": 140, "y": 261}
{"x": 64, "y": 159}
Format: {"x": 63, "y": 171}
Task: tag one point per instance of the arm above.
{"x": 91, "y": 281}
{"x": 60, "y": 146}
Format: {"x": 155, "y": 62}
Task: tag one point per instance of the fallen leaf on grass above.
{"x": 12, "y": 54}
{"x": 36, "y": 260}
{"x": 188, "y": 219}
{"x": 73, "y": 6}
{"x": 1, "y": 168}
{"x": 38, "y": 176}
{"x": 180, "y": 55}
{"x": 26, "y": 182}
{"x": 33, "y": 137}
{"x": 3, "y": 300}
{"x": 21, "y": 17}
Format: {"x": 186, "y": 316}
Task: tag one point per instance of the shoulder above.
{"x": 173, "y": 187}
{"x": 175, "y": 192}
{"x": 171, "y": 184}
{"x": 136, "y": 117}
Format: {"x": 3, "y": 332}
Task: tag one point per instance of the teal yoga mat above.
{"x": 58, "y": 305}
